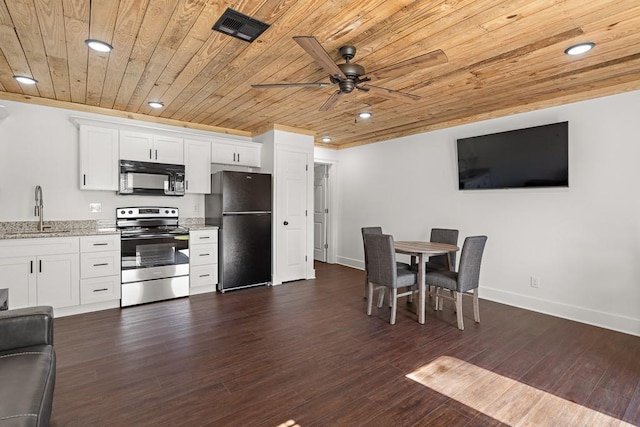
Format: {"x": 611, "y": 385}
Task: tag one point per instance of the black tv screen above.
{"x": 523, "y": 158}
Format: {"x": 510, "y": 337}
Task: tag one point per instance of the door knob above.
{"x": 286, "y": 223}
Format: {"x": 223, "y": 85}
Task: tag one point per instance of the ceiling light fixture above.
{"x": 365, "y": 115}
{"x": 26, "y": 80}
{"x": 156, "y": 104}
{"x": 98, "y": 46}
{"x": 579, "y": 49}
{"x": 326, "y": 139}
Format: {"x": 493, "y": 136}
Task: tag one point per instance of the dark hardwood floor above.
{"x": 307, "y": 352}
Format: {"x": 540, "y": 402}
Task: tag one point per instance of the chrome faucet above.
{"x": 39, "y": 210}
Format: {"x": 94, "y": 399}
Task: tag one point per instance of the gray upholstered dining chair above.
{"x": 443, "y": 235}
{"x": 376, "y": 230}
{"x": 382, "y": 270}
{"x": 464, "y": 281}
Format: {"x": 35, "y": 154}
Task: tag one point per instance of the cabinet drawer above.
{"x": 99, "y": 289}
{"x": 203, "y": 275}
{"x": 203, "y": 254}
{"x": 96, "y": 264}
{"x": 203, "y": 236}
{"x": 109, "y": 242}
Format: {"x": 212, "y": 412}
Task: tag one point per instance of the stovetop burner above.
{"x": 135, "y": 221}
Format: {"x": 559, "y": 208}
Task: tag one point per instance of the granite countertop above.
{"x": 29, "y": 229}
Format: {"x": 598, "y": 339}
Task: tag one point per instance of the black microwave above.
{"x": 151, "y": 179}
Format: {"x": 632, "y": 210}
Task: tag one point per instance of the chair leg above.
{"x": 381, "y": 297}
{"x": 476, "y": 306}
{"x": 369, "y": 297}
{"x": 394, "y": 305}
{"x": 366, "y": 287}
{"x": 459, "y": 309}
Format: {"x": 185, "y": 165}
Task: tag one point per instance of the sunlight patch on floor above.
{"x": 504, "y": 399}
{"x": 289, "y": 423}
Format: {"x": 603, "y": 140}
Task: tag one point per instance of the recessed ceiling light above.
{"x": 365, "y": 115}
{"x": 99, "y": 46}
{"x": 155, "y": 104}
{"x": 326, "y": 139}
{"x": 579, "y": 49}
{"x": 26, "y": 80}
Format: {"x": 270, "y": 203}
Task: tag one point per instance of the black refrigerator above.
{"x": 240, "y": 204}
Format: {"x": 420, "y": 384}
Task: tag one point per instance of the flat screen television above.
{"x": 523, "y": 158}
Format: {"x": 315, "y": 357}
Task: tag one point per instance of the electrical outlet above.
{"x": 535, "y": 282}
{"x": 95, "y": 207}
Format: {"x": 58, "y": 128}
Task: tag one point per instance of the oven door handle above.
{"x": 156, "y": 236}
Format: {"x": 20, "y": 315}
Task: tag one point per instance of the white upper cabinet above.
{"x": 239, "y": 153}
{"x": 98, "y": 158}
{"x": 197, "y": 160}
{"x": 147, "y": 147}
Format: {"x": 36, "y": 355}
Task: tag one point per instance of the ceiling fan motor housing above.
{"x": 353, "y": 72}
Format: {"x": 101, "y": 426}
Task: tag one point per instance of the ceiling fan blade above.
{"x": 393, "y": 94}
{"x": 313, "y": 47}
{"x": 329, "y": 102}
{"x": 428, "y": 59}
{"x": 281, "y": 85}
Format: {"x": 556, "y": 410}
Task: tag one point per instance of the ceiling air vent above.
{"x": 240, "y": 26}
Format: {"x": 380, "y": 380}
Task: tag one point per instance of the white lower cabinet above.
{"x": 99, "y": 268}
{"x": 40, "y": 271}
{"x": 203, "y": 261}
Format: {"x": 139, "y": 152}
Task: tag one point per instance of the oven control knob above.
{"x": 122, "y": 212}
{"x": 173, "y": 211}
{"x": 130, "y": 212}
{"x": 166, "y": 211}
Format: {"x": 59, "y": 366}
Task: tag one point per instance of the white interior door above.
{"x": 320, "y": 213}
{"x": 291, "y": 215}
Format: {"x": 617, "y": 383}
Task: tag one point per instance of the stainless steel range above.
{"x": 155, "y": 255}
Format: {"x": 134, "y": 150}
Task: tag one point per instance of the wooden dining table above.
{"x": 422, "y": 251}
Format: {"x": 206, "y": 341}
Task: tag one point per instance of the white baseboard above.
{"x": 579, "y": 314}
{"x": 350, "y": 262}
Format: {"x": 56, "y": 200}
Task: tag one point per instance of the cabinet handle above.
{"x": 31, "y": 268}
{"x": 100, "y": 290}
{"x": 204, "y": 237}
{"x": 150, "y": 154}
{"x": 205, "y": 254}
{"x": 100, "y": 244}
{"x": 187, "y": 185}
{"x": 238, "y": 157}
{"x": 156, "y": 154}
{"x": 84, "y": 179}
{"x": 234, "y": 157}
{"x": 101, "y": 264}
{"x": 205, "y": 275}
{"x": 40, "y": 266}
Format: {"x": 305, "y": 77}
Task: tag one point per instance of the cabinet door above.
{"x": 136, "y": 146}
{"x": 197, "y": 160}
{"x": 58, "y": 281}
{"x": 18, "y": 275}
{"x": 223, "y": 152}
{"x": 98, "y": 158}
{"x": 248, "y": 156}
{"x": 168, "y": 149}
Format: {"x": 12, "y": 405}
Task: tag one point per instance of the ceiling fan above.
{"x": 351, "y": 76}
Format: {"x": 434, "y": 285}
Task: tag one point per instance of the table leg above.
{"x": 422, "y": 288}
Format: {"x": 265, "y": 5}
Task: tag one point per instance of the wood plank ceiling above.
{"x": 503, "y": 57}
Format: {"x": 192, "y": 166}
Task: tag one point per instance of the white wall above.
{"x": 582, "y": 241}
{"x": 39, "y": 146}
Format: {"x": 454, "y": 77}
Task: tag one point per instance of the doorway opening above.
{"x": 324, "y": 241}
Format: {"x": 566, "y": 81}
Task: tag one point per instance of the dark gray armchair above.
{"x": 27, "y": 366}
{"x": 466, "y": 280}
{"x": 382, "y": 270}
